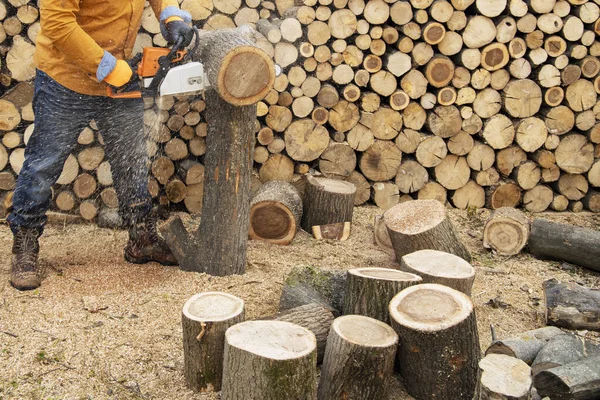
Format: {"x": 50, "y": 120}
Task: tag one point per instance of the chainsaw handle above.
{"x": 122, "y": 94}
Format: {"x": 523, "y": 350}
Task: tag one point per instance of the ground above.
{"x": 100, "y": 328}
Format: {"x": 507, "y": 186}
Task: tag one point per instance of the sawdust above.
{"x": 100, "y": 328}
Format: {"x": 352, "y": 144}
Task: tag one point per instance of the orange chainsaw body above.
{"x": 149, "y": 64}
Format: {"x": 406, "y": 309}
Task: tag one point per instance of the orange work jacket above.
{"x": 75, "y": 33}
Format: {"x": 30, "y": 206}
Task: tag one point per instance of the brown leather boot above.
{"x": 145, "y": 245}
{"x": 25, "y": 273}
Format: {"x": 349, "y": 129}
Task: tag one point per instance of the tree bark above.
{"x": 526, "y": 345}
{"x": 579, "y": 380}
{"x": 327, "y": 201}
{"x": 571, "y": 306}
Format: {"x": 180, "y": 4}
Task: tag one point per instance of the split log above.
{"x": 380, "y": 233}
{"x": 437, "y": 325}
{"x": 369, "y": 290}
{"x": 503, "y": 378}
{"x": 313, "y": 317}
{"x": 305, "y": 285}
{"x": 440, "y": 267}
{"x": 506, "y": 231}
{"x": 565, "y": 242}
{"x": 561, "y": 350}
{"x": 371, "y": 345}
{"x": 205, "y": 318}
{"x": 422, "y": 224}
{"x": 269, "y": 360}
{"x": 526, "y": 345}
{"x": 571, "y": 306}
{"x": 275, "y": 213}
{"x": 579, "y": 380}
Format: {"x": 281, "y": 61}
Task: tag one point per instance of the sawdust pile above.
{"x": 104, "y": 329}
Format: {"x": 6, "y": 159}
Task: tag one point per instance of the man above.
{"x": 82, "y": 48}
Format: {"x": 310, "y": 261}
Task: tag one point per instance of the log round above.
{"x": 422, "y": 224}
{"x": 327, "y": 201}
{"x": 275, "y": 213}
{"x": 442, "y": 268}
{"x": 370, "y": 290}
{"x": 438, "y": 332}
{"x": 359, "y": 359}
{"x": 270, "y": 360}
{"x": 506, "y": 231}
{"x": 503, "y": 378}
{"x": 205, "y": 318}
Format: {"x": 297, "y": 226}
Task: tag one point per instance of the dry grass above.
{"x": 100, "y": 328}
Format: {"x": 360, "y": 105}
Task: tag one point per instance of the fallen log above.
{"x": 578, "y": 380}
{"x": 561, "y": 350}
{"x": 565, "y": 242}
{"x": 571, "y": 306}
{"x": 526, "y": 345}
{"x": 371, "y": 346}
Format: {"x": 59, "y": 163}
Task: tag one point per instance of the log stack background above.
{"x": 472, "y": 102}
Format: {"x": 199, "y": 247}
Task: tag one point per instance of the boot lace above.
{"x": 26, "y": 241}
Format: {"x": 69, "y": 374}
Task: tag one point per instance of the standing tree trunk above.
{"x": 270, "y": 360}
{"x": 369, "y": 290}
{"x": 206, "y": 317}
{"x": 439, "y": 351}
{"x": 422, "y": 224}
{"x": 359, "y": 359}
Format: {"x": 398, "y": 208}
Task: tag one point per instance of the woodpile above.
{"x": 474, "y": 103}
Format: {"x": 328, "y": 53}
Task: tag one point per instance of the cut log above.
{"x": 275, "y": 213}
{"x": 579, "y": 380}
{"x": 523, "y": 98}
{"x": 422, "y": 224}
{"x": 439, "y": 333}
{"x": 327, "y": 201}
{"x": 313, "y": 317}
{"x": 503, "y": 195}
{"x": 526, "y": 345}
{"x": 565, "y": 242}
{"x": 506, "y": 231}
{"x": 380, "y": 162}
{"x": 561, "y": 350}
{"x": 571, "y": 306}
{"x": 305, "y": 285}
{"x": 503, "y": 378}
{"x": 205, "y": 318}
{"x": 369, "y": 290}
{"x": 269, "y": 360}
{"x": 440, "y": 267}
{"x": 371, "y": 345}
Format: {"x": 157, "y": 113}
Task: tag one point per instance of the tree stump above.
{"x": 370, "y": 290}
{"x": 578, "y": 380}
{"x": 327, "y": 201}
{"x": 270, "y": 360}
{"x": 440, "y": 267}
{"x": 571, "y": 306}
{"x": 314, "y": 317}
{"x": 240, "y": 74}
{"x": 561, "y": 350}
{"x": 206, "y": 316}
{"x": 526, "y": 345}
{"x": 506, "y": 231}
{"x": 565, "y": 242}
{"x": 422, "y": 224}
{"x": 439, "y": 345}
{"x": 359, "y": 359}
{"x": 503, "y": 378}
{"x": 275, "y": 212}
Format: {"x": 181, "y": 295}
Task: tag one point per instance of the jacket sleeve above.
{"x": 164, "y": 9}
{"x": 59, "y": 24}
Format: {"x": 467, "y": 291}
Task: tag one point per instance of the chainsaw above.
{"x": 161, "y": 71}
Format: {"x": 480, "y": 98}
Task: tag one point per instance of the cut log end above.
{"x": 430, "y": 307}
{"x": 504, "y": 377}
{"x": 420, "y": 217}
{"x": 273, "y": 222}
{"x": 384, "y": 274}
{"x": 337, "y": 231}
{"x": 212, "y": 307}
{"x": 364, "y": 331}
{"x": 248, "y": 76}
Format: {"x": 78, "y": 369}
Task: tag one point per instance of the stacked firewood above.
{"x": 472, "y": 102}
